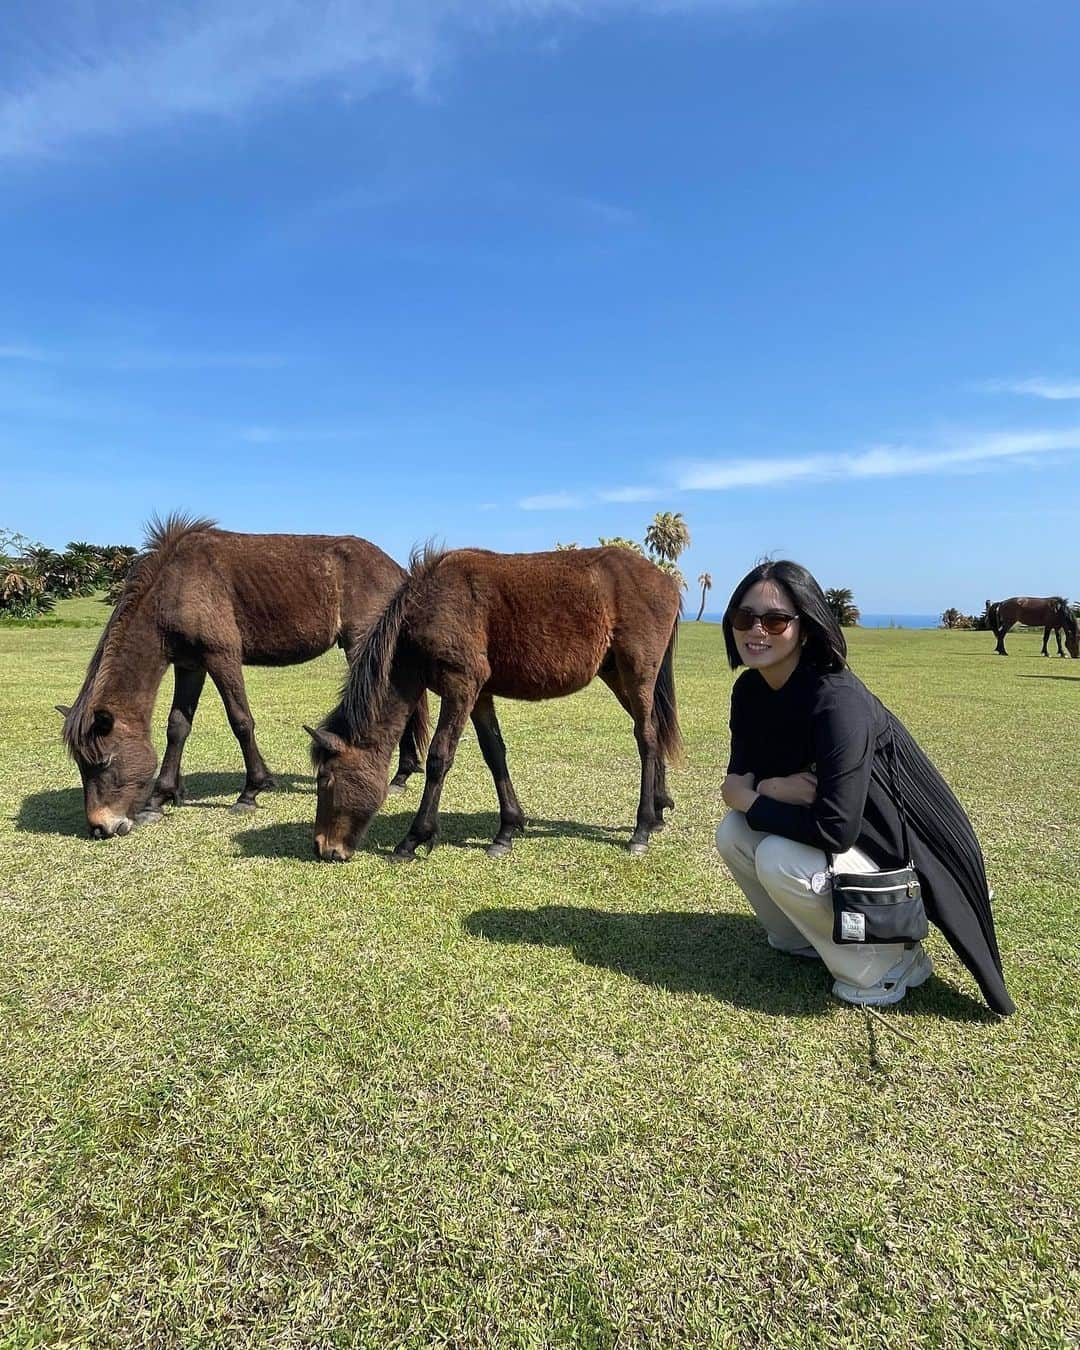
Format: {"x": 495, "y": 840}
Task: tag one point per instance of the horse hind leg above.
{"x": 637, "y": 678}
{"x": 409, "y": 748}
{"x": 662, "y": 799}
{"x": 227, "y": 674}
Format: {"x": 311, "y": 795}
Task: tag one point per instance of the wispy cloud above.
{"x": 645, "y": 493}
{"x": 552, "y": 501}
{"x": 138, "y": 358}
{"x": 17, "y": 352}
{"x": 971, "y": 454}
{"x": 881, "y": 461}
{"x": 155, "y": 64}
{"x": 1037, "y": 386}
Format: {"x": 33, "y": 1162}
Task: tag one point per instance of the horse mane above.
{"x": 1065, "y": 614}
{"x": 161, "y": 537}
{"x": 368, "y": 679}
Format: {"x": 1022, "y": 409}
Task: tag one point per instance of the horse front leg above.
{"x": 227, "y": 674}
{"x": 493, "y": 748}
{"x": 453, "y": 714}
{"x": 187, "y": 689}
{"x": 999, "y": 633}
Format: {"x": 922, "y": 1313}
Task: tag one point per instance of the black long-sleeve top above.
{"x": 830, "y": 723}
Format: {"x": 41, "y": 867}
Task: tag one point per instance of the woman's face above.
{"x": 775, "y": 654}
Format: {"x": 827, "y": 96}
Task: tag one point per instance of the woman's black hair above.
{"x": 824, "y": 643}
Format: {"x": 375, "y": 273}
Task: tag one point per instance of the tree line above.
{"x": 33, "y": 577}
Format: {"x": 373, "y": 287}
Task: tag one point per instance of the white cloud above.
{"x": 126, "y": 66}
{"x": 882, "y": 461}
{"x": 1038, "y": 387}
{"x": 552, "y": 501}
{"x": 645, "y": 493}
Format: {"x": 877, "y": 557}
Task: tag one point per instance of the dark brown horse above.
{"x": 210, "y": 602}
{"x": 472, "y": 626}
{"x": 1050, "y": 613}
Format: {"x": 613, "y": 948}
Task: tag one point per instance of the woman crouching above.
{"x": 824, "y": 780}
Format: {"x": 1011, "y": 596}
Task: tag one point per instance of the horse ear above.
{"x": 103, "y": 722}
{"x": 325, "y": 740}
{"x": 61, "y": 709}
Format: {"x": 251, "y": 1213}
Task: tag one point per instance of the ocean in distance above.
{"x": 872, "y": 620}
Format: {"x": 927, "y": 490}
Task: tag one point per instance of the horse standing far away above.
{"x": 1051, "y": 613}
{"x": 472, "y": 626}
{"x": 209, "y": 602}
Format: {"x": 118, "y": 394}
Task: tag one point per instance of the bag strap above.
{"x": 899, "y": 800}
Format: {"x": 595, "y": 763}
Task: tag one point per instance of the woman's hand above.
{"x": 738, "y": 792}
{"x": 799, "y": 789}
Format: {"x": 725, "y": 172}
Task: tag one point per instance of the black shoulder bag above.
{"x": 880, "y": 906}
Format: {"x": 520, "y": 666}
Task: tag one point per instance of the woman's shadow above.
{"x": 722, "y": 956}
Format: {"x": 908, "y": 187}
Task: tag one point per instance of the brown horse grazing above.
{"x": 209, "y": 602}
{"x": 472, "y": 626}
{"x": 1047, "y": 612}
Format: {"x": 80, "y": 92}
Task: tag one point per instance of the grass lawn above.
{"x": 570, "y": 1098}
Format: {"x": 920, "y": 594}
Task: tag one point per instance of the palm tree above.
{"x": 705, "y": 582}
{"x": 667, "y": 536}
{"x": 842, "y": 603}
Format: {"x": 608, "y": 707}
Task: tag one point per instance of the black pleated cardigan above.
{"x": 831, "y": 722}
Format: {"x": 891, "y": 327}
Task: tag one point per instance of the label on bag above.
{"x": 852, "y": 926}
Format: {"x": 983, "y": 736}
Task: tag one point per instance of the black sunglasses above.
{"x": 773, "y": 621}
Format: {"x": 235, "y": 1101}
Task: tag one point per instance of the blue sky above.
{"x": 508, "y": 272}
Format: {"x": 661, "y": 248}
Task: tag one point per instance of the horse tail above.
{"x": 667, "y": 716}
{"x": 418, "y": 729}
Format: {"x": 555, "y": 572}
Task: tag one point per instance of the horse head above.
{"x": 116, "y": 761}
{"x": 351, "y": 785}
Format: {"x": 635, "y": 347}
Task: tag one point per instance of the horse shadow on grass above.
{"x": 722, "y": 956}
{"x": 462, "y": 829}
{"x": 61, "y": 811}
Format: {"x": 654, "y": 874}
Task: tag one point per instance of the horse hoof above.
{"x": 243, "y": 808}
{"x": 395, "y": 789}
{"x": 498, "y": 850}
{"x": 150, "y": 816}
{"x": 638, "y": 850}
{"x": 397, "y": 857}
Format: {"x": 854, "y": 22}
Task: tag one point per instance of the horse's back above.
{"x": 279, "y": 598}
{"x": 542, "y": 623}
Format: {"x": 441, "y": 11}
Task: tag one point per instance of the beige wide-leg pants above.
{"x": 774, "y": 874}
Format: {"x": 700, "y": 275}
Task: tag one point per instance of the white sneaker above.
{"x": 811, "y": 953}
{"x": 913, "y": 968}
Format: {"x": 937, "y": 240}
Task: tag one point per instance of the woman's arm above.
{"x": 843, "y": 736}
{"x": 738, "y": 723}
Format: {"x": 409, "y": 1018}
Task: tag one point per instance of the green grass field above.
{"x": 566, "y": 1099}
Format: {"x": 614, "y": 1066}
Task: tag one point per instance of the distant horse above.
{"x": 209, "y": 602}
{"x": 1049, "y": 612}
{"x": 471, "y": 626}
